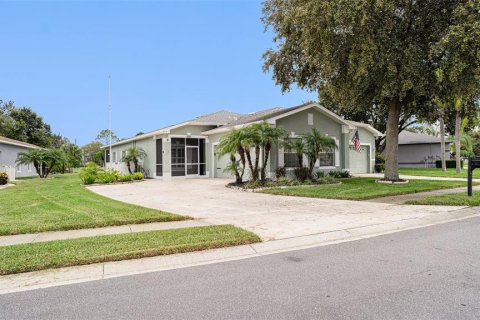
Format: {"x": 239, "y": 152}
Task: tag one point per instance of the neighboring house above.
{"x": 418, "y": 150}
{"x": 188, "y": 149}
{"x": 9, "y": 150}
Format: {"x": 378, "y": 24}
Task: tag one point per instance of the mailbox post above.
{"x": 473, "y": 163}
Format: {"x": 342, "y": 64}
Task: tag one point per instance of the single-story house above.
{"x": 188, "y": 149}
{"x": 418, "y": 150}
{"x": 9, "y": 150}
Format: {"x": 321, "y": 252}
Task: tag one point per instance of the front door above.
{"x": 192, "y": 160}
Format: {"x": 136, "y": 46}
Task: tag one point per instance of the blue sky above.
{"x": 169, "y": 61}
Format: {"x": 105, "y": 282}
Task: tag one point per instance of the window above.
{"x": 19, "y": 167}
{"x": 114, "y": 156}
{"x": 290, "y": 157}
{"x": 310, "y": 119}
{"x": 327, "y": 159}
{"x": 124, "y": 153}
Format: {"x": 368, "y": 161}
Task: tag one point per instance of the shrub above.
{"x": 253, "y": 184}
{"x": 90, "y": 173}
{"x": 280, "y": 172}
{"x": 379, "y": 162}
{"x": 327, "y": 180}
{"x": 138, "y": 176}
{"x": 339, "y": 174}
{"x": 379, "y": 167}
{"x": 283, "y": 181}
{"x": 450, "y": 163}
{"x": 320, "y": 174}
{"x": 301, "y": 173}
{"x": 107, "y": 177}
{"x": 126, "y": 177}
{"x": 3, "y": 178}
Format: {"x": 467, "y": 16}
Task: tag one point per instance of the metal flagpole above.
{"x": 109, "y": 119}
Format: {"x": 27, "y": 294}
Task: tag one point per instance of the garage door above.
{"x": 220, "y": 163}
{"x": 359, "y": 161}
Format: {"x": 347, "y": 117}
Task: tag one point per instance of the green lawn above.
{"x": 62, "y": 253}
{"x": 364, "y": 188}
{"x": 450, "y": 199}
{"x": 61, "y": 203}
{"x": 433, "y": 172}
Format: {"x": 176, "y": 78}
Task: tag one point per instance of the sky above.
{"x": 169, "y": 61}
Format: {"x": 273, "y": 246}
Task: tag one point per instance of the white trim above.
{"x": 20, "y": 144}
{"x": 226, "y": 129}
{"x": 193, "y": 136}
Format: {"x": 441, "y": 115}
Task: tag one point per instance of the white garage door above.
{"x": 359, "y": 161}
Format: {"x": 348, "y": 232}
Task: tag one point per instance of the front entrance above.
{"x": 188, "y": 157}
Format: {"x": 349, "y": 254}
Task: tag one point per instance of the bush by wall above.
{"x": 450, "y": 163}
{"x": 301, "y": 174}
{"x": 3, "y": 178}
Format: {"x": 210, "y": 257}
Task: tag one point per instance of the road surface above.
{"x": 427, "y": 273}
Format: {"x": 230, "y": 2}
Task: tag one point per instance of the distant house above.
{"x": 9, "y": 150}
{"x": 418, "y": 150}
{"x": 189, "y": 149}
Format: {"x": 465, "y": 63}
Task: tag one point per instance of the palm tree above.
{"x": 134, "y": 154}
{"x": 34, "y": 156}
{"x": 232, "y": 143}
{"x": 266, "y": 136}
{"x": 298, "y": 146}
{"x": 315, "y": 143}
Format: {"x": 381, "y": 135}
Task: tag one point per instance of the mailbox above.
{"x": 473, "y": 163}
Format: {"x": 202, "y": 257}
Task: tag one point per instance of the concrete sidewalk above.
{"x": 99, "y": 271}
{"x": 81, "y": 233}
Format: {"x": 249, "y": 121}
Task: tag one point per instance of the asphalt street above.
{"x": 426, "y": 273}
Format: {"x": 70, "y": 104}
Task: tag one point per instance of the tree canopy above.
{"x": 359, "y": 53}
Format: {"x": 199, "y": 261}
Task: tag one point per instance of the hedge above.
{"x": 450, "y": 163}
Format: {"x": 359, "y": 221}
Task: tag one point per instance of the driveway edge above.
{"x": 70, "y": 275}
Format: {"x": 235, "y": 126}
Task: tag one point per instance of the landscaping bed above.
{"x": 281, "y": 183}
{"x": 64, "y": 253}
{"x": 61, "y": 203}
{"x": 364, "y": 189}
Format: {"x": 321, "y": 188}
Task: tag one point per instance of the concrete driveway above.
{"x": 269, "y": 216}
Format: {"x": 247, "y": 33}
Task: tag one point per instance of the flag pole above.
{"x": 109, "y": 119}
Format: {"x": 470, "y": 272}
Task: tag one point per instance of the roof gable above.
{"x": 18, "y": 143}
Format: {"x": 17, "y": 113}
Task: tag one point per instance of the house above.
{"x": 418, "y": 150}
{"x": 9, "y": 150}
{"x": 188, "y": 149}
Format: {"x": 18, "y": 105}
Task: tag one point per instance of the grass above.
{"x": 61, "y": 203}
{"x": 63, "y": 253}
{"x": 434, "y": 172}
{"x": 364, "y": 188}
{"x": 450, "y": 199}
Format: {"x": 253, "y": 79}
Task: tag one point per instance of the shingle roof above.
{"x": 407, "y": 137}
{"x": 17, "y": 142}
{"x": 263, "y": 115}
{"x": 221, "y": 117}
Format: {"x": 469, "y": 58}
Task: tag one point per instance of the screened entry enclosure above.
{"x": 188, "y": 157}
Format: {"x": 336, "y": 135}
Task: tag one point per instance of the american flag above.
{"x": 356, "y": 142}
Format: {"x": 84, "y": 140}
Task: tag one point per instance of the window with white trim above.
{"x": 114, "y": 156}
{"x": 327, "y": 159}
{"x": 310, "y": 119}
{"x": 290, "y": 157}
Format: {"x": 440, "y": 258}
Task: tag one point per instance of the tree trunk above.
{"x": 442, "y": 140}
{"x": 311, "y": 166}
{"x": 241, "y": 152}
{"x": 458, "y": 134}
{"x": 257, "y": 160}
{"x": 237, "y": 174}
{"x": 266, "y": 152}
{"x": 128, "y": 167}
{"x": 249, "y": 159}
{"x": 300, "y": 160}
{"x": 391, "y": 147}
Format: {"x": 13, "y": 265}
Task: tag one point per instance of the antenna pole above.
{"x": 110, "y": 119}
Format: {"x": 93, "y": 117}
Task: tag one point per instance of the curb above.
{"x": 70, "y": 275}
